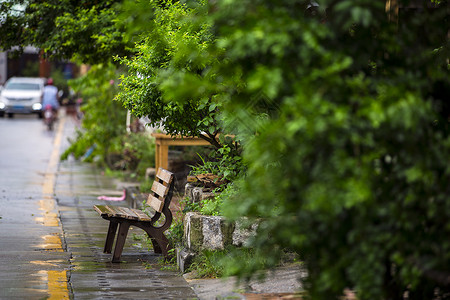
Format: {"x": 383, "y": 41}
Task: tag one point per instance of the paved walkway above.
{"x": 91, "y": 274}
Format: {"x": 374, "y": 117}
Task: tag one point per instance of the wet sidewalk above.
{"x": 91, "y": 274}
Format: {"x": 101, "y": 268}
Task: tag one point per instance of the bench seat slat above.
{"x": 102, "y": 210}
{"x": 116, "y": 212}
{"x": 122, "y": 212}
{"x": 142, "y": 215}
{"x": 130, "y": 213}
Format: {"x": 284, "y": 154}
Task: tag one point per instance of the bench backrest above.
{"x": 161, "y": 190}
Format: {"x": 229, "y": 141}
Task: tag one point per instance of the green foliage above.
{"x": 218, "y": 263}
{"x": 136, "y": 153}
{"x": 213, "y": 207}
{"x": 103, "y": 124}
{"x": 208, "y": 264}
{"x": 346, "y": 131}
{"x": 350, "y": 170}
{"x": 92, "y": 34}
{"x": 86, "y": 31}
{"x": 227, "y": 167}
{"x": 210, "y": 207}
{"x": 162, "y": 59}
{"x": 189, "y": 205}
{"x": 176, "y": 232}
{"x": 342, "y": 113}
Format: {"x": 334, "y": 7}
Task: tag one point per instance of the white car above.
{"x": 22, "y": 95}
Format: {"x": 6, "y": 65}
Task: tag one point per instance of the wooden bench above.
{"x": 124, "y": 217}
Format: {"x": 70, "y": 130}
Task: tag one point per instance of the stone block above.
{"x": 211, "y": 233}
{"x": 243, "y": 231}
{"x": 213, "y": 238}
{"x": 184, "y": 258}
{"x": 193, "y": 233}
{"x": 214, "y": 232}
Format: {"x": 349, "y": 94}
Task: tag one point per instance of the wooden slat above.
{"x": 164, "y": 175}
{"x": 155, "y": 203}
{"x": 160, "y": 189}
{"x": 130, "y": 213}
{"x": 111, "y": 211}
{"x": 101, "y": 209}
{"x": 121, "y": 212}
{"x": 142, "y": 215}
{"x": 116, "y": 212}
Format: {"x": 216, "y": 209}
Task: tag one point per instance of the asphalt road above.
{"x": 33, "y": 264}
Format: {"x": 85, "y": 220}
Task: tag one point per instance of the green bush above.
{"x": 351, "y": 170}
{"x": 213, "y": 206}
{"x": 207, "y": 264}
{"x": 225, "y": 163}
{"x": 135, "y": 152}
{"x": 345, "y": 115}
{"x": 103, "y": 124}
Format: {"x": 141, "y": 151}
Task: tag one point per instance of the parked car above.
{"x": 22, "y": 95}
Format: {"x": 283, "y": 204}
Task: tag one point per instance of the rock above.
{"x": 243, "y": 232}
{"x": 193, "y": 234}
{"x": 212, "y": 234}
{"x": 184, "y": 258}
{"x": 196, "y": 193}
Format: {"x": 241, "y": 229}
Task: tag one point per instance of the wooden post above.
{"x": 392, "y": 10}
{"x": 163, "y": 141}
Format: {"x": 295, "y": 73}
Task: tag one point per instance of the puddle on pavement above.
{"x": 49, "y": 263}
{"x": 49, "y": 218}
{"x": 51, "y": 242}
{"x": 56, "y": 282}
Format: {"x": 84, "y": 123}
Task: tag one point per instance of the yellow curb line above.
{"x": 56, "y": 280}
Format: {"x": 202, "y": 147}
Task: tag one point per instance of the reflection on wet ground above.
{"x": 56, "y": 280}
{"x": 33, "y": 263}
{"x": 56, "y": 284}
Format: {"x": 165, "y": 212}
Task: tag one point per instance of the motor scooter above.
{"x": 49, "y": 117}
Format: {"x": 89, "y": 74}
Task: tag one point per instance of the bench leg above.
{"x": 156, "y": 247}
{"x": 159, "y": 241}
{"x": 110, "y": 237}
{"x": 121, "y": 237}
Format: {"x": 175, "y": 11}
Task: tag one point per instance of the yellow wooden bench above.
{"x": 124, "y": 217}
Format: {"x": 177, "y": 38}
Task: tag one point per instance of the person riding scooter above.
{"x": 50, "y": 96}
